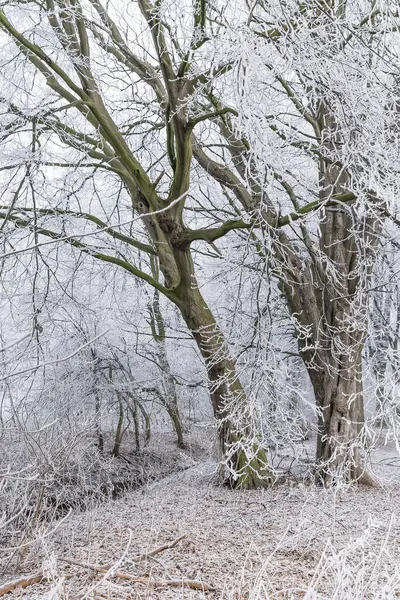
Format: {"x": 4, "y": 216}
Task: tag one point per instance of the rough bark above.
{"x": 332, "y": 355}
{"x": 338, "y": 393}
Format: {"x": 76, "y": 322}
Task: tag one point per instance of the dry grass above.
{"x": 290, "y": 541}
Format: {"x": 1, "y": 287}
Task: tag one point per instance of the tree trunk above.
{"x": 330, "y": 306}
{"x": 133, "y": 404}
{"x": 339, "y": 398}
{"x": 132, "y": 408}
{"x": 100, "y": 437}
{"x": 173, "y": 411}
{"x": 119, "y": 432}
{"x": 243, "y": 456}
{"x": 170, "y": 398}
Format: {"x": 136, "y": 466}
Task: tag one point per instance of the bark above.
{"x": 332, "y": 355}
{"x": 326, "y": 297}
{"x": 338, "y": 393}
{"x": 245, "y": 459}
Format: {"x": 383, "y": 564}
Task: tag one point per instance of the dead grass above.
{"x": 275, "y": 543}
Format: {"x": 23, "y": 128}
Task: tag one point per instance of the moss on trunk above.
{"x": 251, "y": 470}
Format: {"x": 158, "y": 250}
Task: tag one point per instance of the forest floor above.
{"x": 290, "y": 541}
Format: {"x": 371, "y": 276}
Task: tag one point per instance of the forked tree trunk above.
{"x": 243, "y": 455}
{"x": 133, "y": 404}
{"x": 336, "y": 282}
{"x": 328, "y": 308}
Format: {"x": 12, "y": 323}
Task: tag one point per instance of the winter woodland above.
{"x": 200, "y": 299}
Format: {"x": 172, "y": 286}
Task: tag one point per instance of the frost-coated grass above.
{"x": 288, "y": 542}
{"x": 360, "y": 570}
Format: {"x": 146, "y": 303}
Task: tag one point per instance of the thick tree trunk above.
{"x": 339, "y": 398}
{"x": 331, "y": 306}
{"x": 243, "y": 455}
{"x": 331, "y": 347}
{"x": 329, "y": 309}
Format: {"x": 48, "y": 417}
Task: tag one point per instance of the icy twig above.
{"x": 22, "y": 582}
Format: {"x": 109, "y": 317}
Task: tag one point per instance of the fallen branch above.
{"x": 23, "y": 582}
{"x": 160, "y": 549}
{"x": 195, "y": 585}
{"x": 189, "y": 583}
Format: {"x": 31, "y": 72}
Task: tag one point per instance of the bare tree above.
{"x": 300, "y": 130}
{"x": 267, "y": 100}
{"x": 79, "y": 111}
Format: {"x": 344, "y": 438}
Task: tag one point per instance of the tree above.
{"x": 81, "y": 112}
{"x": 267, "y": 101}
{"x": 296, "y": 128}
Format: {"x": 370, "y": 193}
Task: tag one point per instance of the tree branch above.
{"x": 212, "y": 234}
{"x": 75, "y": 243}
{"x": 336, "y": 200}
{"x": 93, "y": 219}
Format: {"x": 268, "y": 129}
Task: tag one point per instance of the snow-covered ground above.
{"x": 273, "y": 543}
